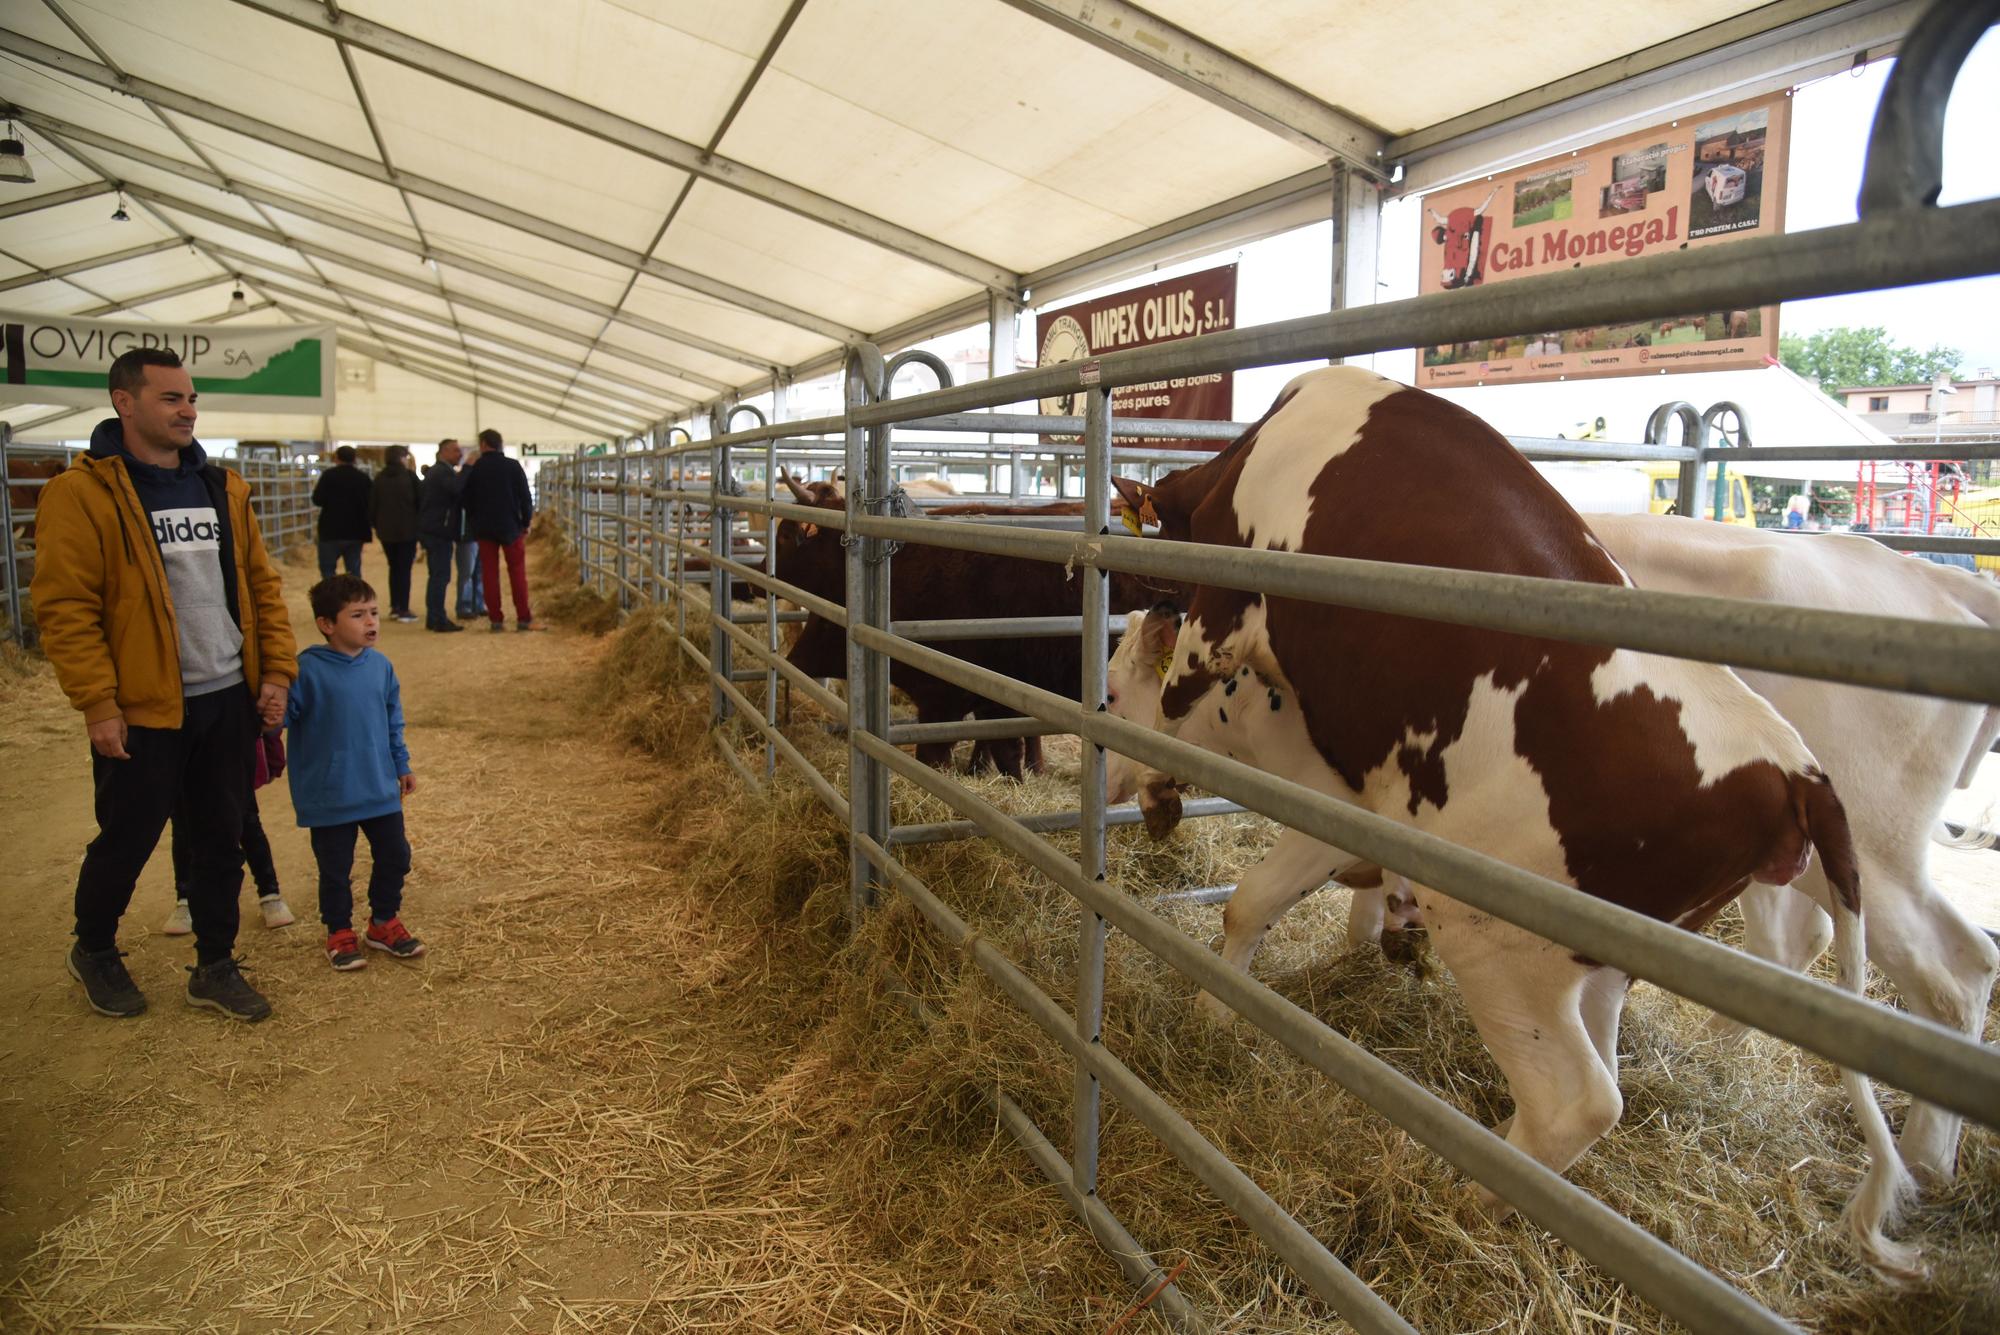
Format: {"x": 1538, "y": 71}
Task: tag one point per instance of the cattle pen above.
{"x": 641, "y": 518}
{"x": 281, "y": 498}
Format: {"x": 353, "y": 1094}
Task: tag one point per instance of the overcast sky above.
{"x": 1829, "y": 140}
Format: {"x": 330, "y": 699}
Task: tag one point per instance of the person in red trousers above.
{"x": 498, "y": 506}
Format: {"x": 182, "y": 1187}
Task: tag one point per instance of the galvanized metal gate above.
{"x": 640, "y": 519}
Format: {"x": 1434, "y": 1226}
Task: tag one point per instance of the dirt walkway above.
{"x": 573, "y": 1114}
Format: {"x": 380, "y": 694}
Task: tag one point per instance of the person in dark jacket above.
{"x": 392, "y": 509}
{"x": 342, "y": 495}
{"x": 499, "y": 505}
{"x": 438, "y": 524}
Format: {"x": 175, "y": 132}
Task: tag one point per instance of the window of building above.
{"x": 1878, "y": 403}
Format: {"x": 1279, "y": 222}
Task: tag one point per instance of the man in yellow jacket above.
{"x": 165, "y": 621}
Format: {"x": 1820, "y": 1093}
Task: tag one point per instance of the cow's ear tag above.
{"x": 1166, "y": 663}
{"x": 1147, "y": 514}
{"x": 1131, "y": 518}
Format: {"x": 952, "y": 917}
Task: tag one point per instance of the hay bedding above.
{"x": 1740, "y": 1154}
{"x": 662, "y": 1091}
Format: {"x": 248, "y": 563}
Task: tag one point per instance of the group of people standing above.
{"x": 472, "y": 515}
{"x": 164, "y": 618}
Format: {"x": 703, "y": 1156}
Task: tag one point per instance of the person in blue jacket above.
{"x": 350, "y": 771}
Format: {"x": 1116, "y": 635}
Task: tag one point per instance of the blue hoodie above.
{"x": 347, "y": 752}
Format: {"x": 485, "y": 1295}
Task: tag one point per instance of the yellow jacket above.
{"x": 104, "y": 609}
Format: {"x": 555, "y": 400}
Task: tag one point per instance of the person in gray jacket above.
{"x": 438, "y": 524}
{"x": 392, "y": 511}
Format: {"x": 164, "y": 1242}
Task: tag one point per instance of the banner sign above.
{"x": 1703, "y": 180}
{"x": 1199, "y": 303}
{"x": 236, "y": 368}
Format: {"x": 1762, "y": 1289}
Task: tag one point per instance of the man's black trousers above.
{"x": 204, "y": 768}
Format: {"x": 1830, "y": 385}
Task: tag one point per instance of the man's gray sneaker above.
{"x": 102, "y": 973}
{"x": 221, "y": 987}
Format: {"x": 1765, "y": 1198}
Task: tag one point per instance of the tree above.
{"x": 1866, "y": 356}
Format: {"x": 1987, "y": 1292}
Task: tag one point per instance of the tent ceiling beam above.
{"x": 627, "y": 415}
{"x": 56, "y": 198}
{"x": 158, "y": 97}
{"x": 764, "y": 57}
{"x": 588, "y": 401}
{"x": 379, "y": 236}
{"x": 470, "y": 303}
{"x": 1768, "y": 25}
{"x": 381, "y": 322}
{"x": 111, "y": 69}
{"x": 445, "y": 363}
{"x": 1215, "y": 75}
{"x": 389, "y": 166}
{"x": 95, "y": 262}
{"x": 382, "y": 354}
{"x": 148, "y": 298}
{"x": 441, "y": 63}
{"x": 251, "y": 309}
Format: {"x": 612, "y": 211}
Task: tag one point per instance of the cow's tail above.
{"x": 1887, "y": 1184}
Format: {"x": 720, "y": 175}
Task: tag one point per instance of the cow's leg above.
{"x": 1527, "y": 999}
{"x": 1032, "y": 752}
{"x": 1365, "y": 915}
{"x": 1296, "y": 866}
{"x": 1786, "y": 927}
{"x": 1944, "y": 967}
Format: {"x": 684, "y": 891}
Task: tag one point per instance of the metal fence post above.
{"x": 15, "y": 629}
{"x": 576, "y": 512}
{"x": 867, "y": 605}
{"x": 1090, "y": 851}
{"x": 720, "y": 545}
{"x": 624, "y": 527}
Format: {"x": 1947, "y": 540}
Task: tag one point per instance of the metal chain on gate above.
{"x": 898, "y": 502}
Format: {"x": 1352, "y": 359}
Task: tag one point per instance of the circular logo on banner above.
{"x": 1065, "y": 341}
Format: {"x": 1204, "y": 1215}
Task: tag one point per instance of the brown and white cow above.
{"x": 1660, "y": 785}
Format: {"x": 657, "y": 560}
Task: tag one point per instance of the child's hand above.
{"x": 409, "y": 784}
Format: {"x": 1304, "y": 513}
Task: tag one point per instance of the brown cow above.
{"x": 1661, "y": 785}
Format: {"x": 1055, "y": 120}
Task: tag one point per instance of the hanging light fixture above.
{"x": 237, "y": 304}
{"x": 14, "y": 160}
{"x": 121, "y": 215}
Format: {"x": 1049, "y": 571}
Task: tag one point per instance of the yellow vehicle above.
{"x": 1664, "y": 492}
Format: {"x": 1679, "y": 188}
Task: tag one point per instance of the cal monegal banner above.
{"x": 1700, "y": 181}
{"x": 1199, "y": 303}
{"x": 236, "y": 368}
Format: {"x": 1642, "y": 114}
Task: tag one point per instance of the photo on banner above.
{"x": 1701, "y": 180}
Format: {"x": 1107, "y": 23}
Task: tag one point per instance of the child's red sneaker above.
{"x": 343, "y": 950}
{"x": 395, "y": 938}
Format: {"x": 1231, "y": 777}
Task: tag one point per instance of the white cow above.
{"x": 1894, "y": 759}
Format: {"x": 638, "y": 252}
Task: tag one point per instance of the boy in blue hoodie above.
{"x": 350, "y": 770}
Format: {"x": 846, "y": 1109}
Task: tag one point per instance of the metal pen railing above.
{"x": 1900, "y": 239}
{"x": 280, "y": 497}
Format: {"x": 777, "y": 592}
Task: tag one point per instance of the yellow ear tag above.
{"x": 1166, "y": 663}
{"x": 1132, "y": 522}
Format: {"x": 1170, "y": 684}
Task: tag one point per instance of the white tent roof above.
{"x": 1782, "y": 409}
{"x": 595, "y": 213}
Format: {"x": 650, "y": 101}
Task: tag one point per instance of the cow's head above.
{"x": 1168, "y": 504}
{"x": 808, "y": 554}
{"x": 1132, "y": 687}
{"x": 1462, "y": 233}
